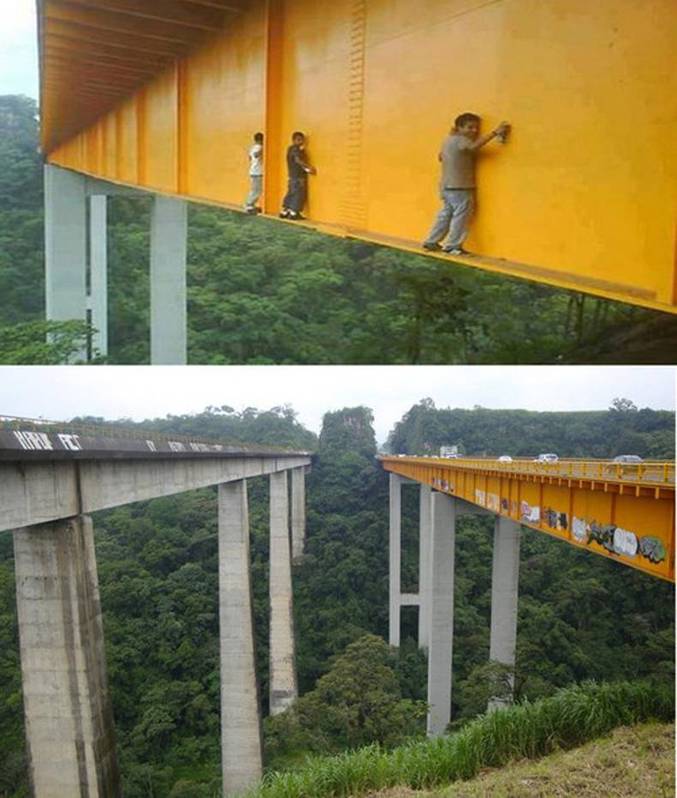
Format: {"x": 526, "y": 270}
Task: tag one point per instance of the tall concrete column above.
{"x": 65, "y": 245}
{"x": 504, "y": 597}
{"x": 98, "y": 271}
{"x": 440, "y": 644}
{"x": 424, "y": 565}
{"x": 395, "y": 559}
{"x": 298, "y": 512}
{"x": 168, "y": 236}
{"x": 69, "y": 720}
{"x": 240, "y": 718}
{"x": 283, "y": 689}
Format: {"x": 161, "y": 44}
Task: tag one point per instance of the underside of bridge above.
{"x": 167, "y": 95}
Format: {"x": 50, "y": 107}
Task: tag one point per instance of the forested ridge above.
{"x": 263, "y": 292}
{"x": 580, "y": 616}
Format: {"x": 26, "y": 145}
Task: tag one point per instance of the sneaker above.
{"x": 431, "y": 246}
{"x": 251, "y": 211}
{"x": 296, "y": 217}
{"x": 284, "y": 213}
{"x": 457, "y": 251}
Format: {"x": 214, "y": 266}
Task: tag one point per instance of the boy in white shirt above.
{"x": 255, "y": 175}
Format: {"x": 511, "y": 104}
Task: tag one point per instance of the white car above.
{"x": 548, "y": 457}
{"x": 505, "y": 458}
{"x": 628, "y": 458}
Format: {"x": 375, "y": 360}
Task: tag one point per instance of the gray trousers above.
{"x": 454, "y": 218}
{"x": 255, "y": 190}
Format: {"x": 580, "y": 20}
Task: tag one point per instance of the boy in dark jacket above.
{"x": 299, "y": 169}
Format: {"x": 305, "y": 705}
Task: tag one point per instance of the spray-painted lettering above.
{"x": 34, "y": 441}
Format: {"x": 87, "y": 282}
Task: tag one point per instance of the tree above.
{"x": 357, "y": 702}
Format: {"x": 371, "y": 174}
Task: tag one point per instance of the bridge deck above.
{"x": 619, "y": 510}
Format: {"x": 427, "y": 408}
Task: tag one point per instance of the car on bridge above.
{"x": 628, "y": 458}
{"x": 548, "y": 457}
{"x": 505, "y": 458}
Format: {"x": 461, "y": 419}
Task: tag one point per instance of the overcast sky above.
{"x": 18, "y": 48}
{"x": 138, "y": 392}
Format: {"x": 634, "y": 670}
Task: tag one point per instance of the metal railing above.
{"x": 646, "y": 473}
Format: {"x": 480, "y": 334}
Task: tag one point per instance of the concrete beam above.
{"x": 395, "y": 559}
{"x": 283, "y": 686}
{"x": 424, "y": 564}
{"x": 440, "y": 644}
{"x": 504, "y": 598}
{"x": 65, "y": 245}
{"x": 168, "y": 240}
{"x": 69, "y": 720}
{"x": 241, "y": 743}
{"x": 36, "y": 492}
{"x": 98, "y": 272}
{"x": 298, "y": 513}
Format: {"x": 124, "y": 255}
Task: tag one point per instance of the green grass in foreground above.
{"x": 633, "y": 761}
{"x": 571, "y": 717}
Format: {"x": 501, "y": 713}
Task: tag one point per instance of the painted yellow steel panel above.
{"x": 628, "y": 516}
{"x": 158, "y": 146}
{"x": 225, "y": 82}
{"x": 584, "y": 193}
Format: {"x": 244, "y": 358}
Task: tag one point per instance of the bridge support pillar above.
{"x": 283, "y": 689}
{"x": 298, "y": 512}
{"x": 168, "y": 238}
{"x": 65, "y": 245}
{"x": 69, "y": 720}
{"x": 241, "y": 746}
{"x": 395, "y": 559}
{"x": 442, "y": 544}
{"x": 424, "y": 565}
{"x": 504, "y": 597}
{"x": 98, "y": 271}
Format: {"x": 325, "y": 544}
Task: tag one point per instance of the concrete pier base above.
{"x": 298, "y": 513}
{"x": 283, "y": 685}
{"x": 443, "y": 525}
{"x": 504, "y": 597}
{"x": 241, "y": 743}
{"x": 424, "y": 565}
{"x": 168, "y": 239}
{"x": 69, "y": 721}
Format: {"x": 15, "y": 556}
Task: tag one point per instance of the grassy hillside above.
{"x": 633, "y": 761}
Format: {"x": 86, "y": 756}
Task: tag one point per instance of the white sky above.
{"x": 18, "y": 48}
{"x": 137, "y": 392}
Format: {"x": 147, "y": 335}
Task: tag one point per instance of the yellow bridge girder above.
{"x": 622, "y": 511}
{"x": 167, "y": 94}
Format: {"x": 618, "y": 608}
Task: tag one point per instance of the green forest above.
{"x": 580, "y": 616}
{"x": 262, "y": 292}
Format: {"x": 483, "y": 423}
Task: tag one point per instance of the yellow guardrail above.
{"x": 646, "y": 473}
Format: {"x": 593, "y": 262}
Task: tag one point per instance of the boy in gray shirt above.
{"x": 458, "y": 156}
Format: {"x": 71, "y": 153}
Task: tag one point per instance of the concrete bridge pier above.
{"x": 283, "y": 685}
{"x": 241, "y": 744}
{"x": 298, "y": 512}
{"x": 504, "y": 597}
{"x": 76, "y": 269}
{"x": 441, "y": 607}
{"x": 69, "y": 720}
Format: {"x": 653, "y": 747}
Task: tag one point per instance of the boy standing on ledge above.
{"x": 458, "y": 156}
{"x": 255, "y": 175}
{"x": 299, "y": 169}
